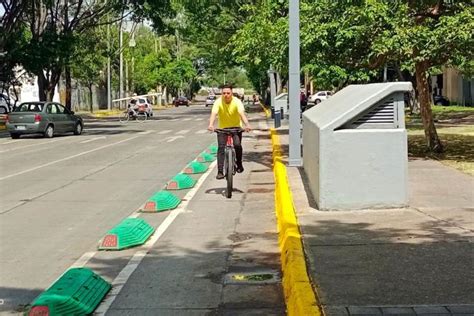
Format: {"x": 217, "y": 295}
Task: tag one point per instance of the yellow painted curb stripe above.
{"x": 267, "y": 112}
{"x": 300, "y": 297}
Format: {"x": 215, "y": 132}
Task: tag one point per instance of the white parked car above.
{"x": 145, "y": 102}
{"x": 319, "y": 96}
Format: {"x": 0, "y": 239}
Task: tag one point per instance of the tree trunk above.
{"x": 47, "y": 84}
{"x": 434, "y": 144}
{"x": 67, "y": 74}
{"x": 90, "y": 96}
{"x": 42, "y": 84}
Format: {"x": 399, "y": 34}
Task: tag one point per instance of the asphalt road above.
{"x": 59, "y": 196}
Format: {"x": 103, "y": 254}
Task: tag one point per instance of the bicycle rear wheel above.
{"x": 124, "y": 117}
{"x": 229, "y": 169}
{"x": 141, "y": 117}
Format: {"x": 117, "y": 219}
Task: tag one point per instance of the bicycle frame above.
{"x": 229, "y": 158}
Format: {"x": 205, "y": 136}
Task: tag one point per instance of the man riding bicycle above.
{"x": 230, "y": 111}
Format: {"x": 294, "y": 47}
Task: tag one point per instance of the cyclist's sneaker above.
{"x": 220, "y": 176}
{"x": 240, "y": 168}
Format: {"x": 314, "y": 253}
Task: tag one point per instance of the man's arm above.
{"x": 243, "y": 117}
{"x": 212, "y": 118}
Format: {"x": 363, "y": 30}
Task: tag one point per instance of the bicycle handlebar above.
{"x": 229, "y": 130}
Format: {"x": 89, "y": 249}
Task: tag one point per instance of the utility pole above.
{"x": 132, "y": 44}
{"x": 294, "y": 159}
{"x": 121, "y": 62}
{"x": 109, "y": 75}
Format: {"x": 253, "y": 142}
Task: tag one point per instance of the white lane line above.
{"x": 146, "y": 132}
{"x": 182, "y": 132}
{"x": 119, "y": 282}
{"x": 199, "y": 119}
{"x": 82, "y": 261}
{"x": 173, "y": 138}
{"x": 203, "y": 131}
{"x": 11, "y": 141}
{"x": 67, "y": 158}
{"x": 35, "y": 144}
{"x": 187, "y": 119}
{"x": 92, "y": 140}
{"x": 166, "y": 131}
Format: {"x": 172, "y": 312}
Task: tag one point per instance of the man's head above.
{"x": 227, "y": 93}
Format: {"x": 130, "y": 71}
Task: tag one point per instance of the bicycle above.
{"x": 140, "y": 115}
{"x": 230, "y": 159}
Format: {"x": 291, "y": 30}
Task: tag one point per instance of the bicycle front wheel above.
{"x": 124, "y": 117}
{"x": 141, "y": 117}
{"x": 229, "y": 172}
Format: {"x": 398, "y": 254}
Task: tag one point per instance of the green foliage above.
{"x": 88, "y": 65}
{"x": 177, "y": 73}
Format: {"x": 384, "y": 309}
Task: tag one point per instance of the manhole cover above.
{"x": 260, "y": 277}
{"x": 237, "y": 237}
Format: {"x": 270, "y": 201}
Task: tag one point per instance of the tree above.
{"x": 176, "y": 73}
{"x": 12, "y": 36}
{"x": 86, "y": 63}
{"x": 353, "y": 41}
{"x": 54, "y": 27}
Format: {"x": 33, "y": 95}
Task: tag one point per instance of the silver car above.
{"x": 46, "y": 118}
{"x": 210, "y": 100}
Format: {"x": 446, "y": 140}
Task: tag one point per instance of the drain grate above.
{"x": 258, "y": 277}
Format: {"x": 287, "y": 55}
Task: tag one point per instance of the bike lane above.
{"x": 219, "y": 255}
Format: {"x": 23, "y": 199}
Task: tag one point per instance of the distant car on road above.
{"x": 46, "y": 118}
{"x": 440, "y": 100}
{"x": 181, "y": 101}
{"x": 319, "y": 96}
{"x": 210, "y": 100}
{"x": 145, "y": 103}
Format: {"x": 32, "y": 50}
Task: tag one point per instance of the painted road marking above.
{"x": 187, "y": 119}
{"x": 119, "y": 282}
{"x": 202, "y": 131}
{"x": 166, "y": 131}
{"x": 35, "y": 144}
{"x": 199, "y": 119}
{"x": 182, "y": 132}
{"x": 67, "y": 158}
{"x": 92, "y": 139}
{"x": 146, "y": 132}
{"x": 82, "y": 261}
{"x": 173, "y": 138}
{"x": 11, "y": 141}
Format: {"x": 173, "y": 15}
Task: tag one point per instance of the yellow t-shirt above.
{"x": 228, "y": 113}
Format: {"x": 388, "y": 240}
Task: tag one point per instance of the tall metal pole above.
{"x": 121, "y": 63}
{"x": 109, "y": 75}
{"x": 294, "y": 158}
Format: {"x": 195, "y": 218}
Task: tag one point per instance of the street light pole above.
{"x": 121, "y": 62}
{"x": 294, "y": 159}
{"x": 109, "y": 75}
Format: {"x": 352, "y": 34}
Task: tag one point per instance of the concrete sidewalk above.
{"x": 413, "y": 261}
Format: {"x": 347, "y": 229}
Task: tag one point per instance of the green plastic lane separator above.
{"x": 195, "y": 167}
{"x": 128, "y": 233}
{"x": 205, "y": 157}
{"x": 161, "y": 201}
{"x": 212, "y": 149}
{"x": 180, "y": 181}
{"x": 76, "y": 292}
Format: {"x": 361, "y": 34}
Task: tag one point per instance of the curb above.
{"x": 300, "y": 298}
{"x": 267, "y": 111}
